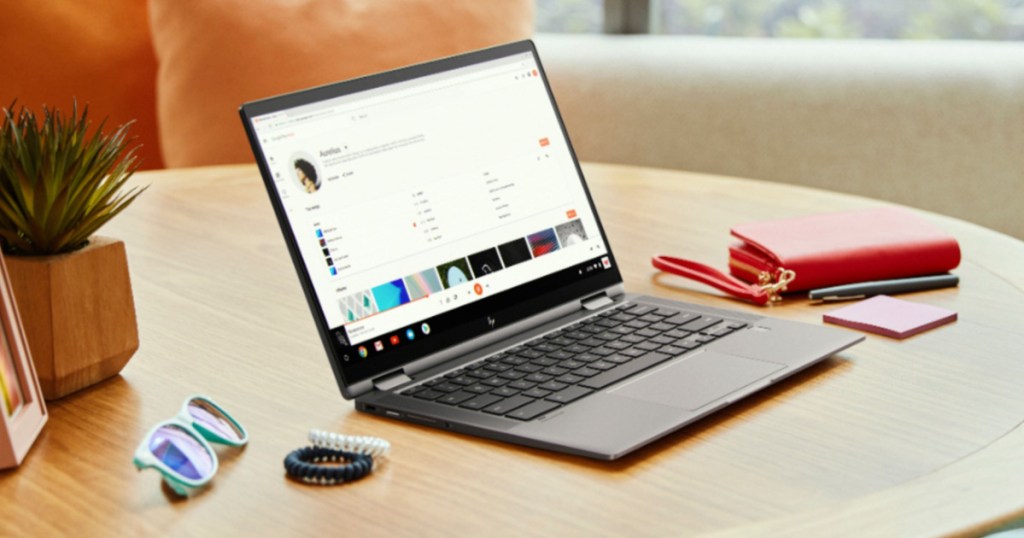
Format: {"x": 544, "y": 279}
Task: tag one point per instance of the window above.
{"x": 838, "y": 19}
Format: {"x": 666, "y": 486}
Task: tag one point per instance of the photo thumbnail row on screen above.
{"x": 400, "y": 291}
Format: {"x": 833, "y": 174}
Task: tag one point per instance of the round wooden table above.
{"x": 920, "y": 436}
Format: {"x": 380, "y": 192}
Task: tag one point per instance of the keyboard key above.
{"x": 618, "y": 358}
{"x": 495, "y": 382}
{"x": 632, "y": 352}
{"x": 533, "y": 410}
{"x": 429, "y": 394}
{"x": 555, "y": 370}
{"x": 446, "y": 387}
{"x": 666, "y": 312}
{"x": 479, "y": 374}
{"x": 586, "y": 371}
{"x": 413, "y": 390}
{"x": 544, "y": 361}
{"x": 529, "y": 368}
{"x": 672, "y": 350}
{"x": 536, "y": 393}
{"x": 701, "y": 323}
{"x": 512, "y": 375}
{"x": 478, "y": 388}
{"x": 570, "y": 379}
{"x": 508, "y": 404}
{"x": 455, "y": 398}
{"x": 538, "y": 378}
{"x": 569, "y": 394}
{"x": 552, "y": 386}
{"x": 640, "y": 310}
{"x": 718, "y": 330}
{"x": 677, "y": 333}
{"x": 602, "y": 365}
{"x": 521, "y": 385}
{"x": 735, "y": 325}
{"x": 481, "y": 401}
{"x": 560, "y": 355}
{"x": 681, "y": 318}
{"x": 571, "y": 364}
{"x": 505, "y": 392}
{"x": 625, "y": 370}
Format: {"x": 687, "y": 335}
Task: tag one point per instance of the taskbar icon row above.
{"x": 396, "y": 339}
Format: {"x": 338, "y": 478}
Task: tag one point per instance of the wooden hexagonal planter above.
{"x": 78, "y": 313}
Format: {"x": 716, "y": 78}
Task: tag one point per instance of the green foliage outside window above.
{"x": 838, "y": 19}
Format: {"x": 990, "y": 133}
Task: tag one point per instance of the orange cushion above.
{"x": 96, "y": 51}
{"x": 215, "y": 55}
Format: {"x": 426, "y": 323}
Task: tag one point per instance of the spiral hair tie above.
{"x": 335, "y": 459}
{"x": 306, "y": 464}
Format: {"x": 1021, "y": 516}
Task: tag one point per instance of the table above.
{"x": 891, "y": 437}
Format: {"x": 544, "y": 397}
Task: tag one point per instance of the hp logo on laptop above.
{"x": 490, "y": 321}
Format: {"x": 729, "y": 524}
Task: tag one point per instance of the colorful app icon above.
{"x": 410, "y": 334}
{"x": 478, "y": 288}
{"x": 362, "y": 352}
{"x": 378, "y": 345}
{"x": 425, "y": 329}
{"x": 394, "y": 340}
{"x": 606, "y": 262}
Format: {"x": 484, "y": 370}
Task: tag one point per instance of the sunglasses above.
{"x": 179, "y": 447}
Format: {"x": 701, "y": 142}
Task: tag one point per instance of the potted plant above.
{"x": 58, "y": 185}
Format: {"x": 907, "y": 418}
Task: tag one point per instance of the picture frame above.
{"x": 22, "y": 408}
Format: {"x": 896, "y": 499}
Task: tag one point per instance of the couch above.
{"x": 935, "y": 125}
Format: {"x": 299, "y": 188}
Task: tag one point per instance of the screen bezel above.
{"x": 464, "y": 323}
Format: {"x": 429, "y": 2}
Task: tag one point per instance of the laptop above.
{"x": 459, "y": 276}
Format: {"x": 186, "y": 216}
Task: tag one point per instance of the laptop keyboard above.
{"x": 563, "y": 366}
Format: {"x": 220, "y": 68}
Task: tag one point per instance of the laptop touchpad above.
{"x": 698, "y": 380}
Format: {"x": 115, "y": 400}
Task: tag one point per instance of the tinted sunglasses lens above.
{"x": 181, "y": 451}
{"x": 211, "y": 418}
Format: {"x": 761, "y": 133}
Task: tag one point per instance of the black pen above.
{"x": 861, "y": 290}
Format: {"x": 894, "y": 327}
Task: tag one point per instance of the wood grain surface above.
{"x": 914, "y": 437}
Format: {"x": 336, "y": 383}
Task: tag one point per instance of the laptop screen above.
{"x": 427, "y": 205}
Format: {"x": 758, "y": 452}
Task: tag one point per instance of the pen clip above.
{"x": 838, "y": 298}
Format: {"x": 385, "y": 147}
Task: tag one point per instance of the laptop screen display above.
{"x": 418, "y": 201}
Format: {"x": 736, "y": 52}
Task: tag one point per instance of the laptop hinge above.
{"x": 596, "y": 302}
{"x": 390, "y": 381}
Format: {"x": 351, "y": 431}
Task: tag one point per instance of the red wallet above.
{"x": 824, "y": 250}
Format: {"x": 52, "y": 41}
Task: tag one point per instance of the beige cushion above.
{"x": 935, "y": 125}
{"x": 215, "y": 55}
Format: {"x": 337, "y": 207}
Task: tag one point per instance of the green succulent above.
{"x": 57, "y": 184}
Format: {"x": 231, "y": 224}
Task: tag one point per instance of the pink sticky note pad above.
{"x": 889, "y": 316}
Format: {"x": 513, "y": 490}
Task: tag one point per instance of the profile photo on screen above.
{"x": 306, "y": 175}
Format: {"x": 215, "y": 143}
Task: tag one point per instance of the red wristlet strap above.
{"x": 702, "y": 273}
